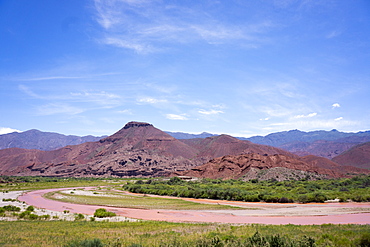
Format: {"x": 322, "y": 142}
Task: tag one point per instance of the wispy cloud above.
{"x": 150, "y": 25}
{"x": 126, "y": 111}
{"x": 150, "y": 100}
{"x": 176, "y": 116}
{"x": 5, "y": 130}
{"x": 56, "y": 77}
{"x": 338, "y": 119}
{"x": 97, "y": 98}
{"x": 210, "y": 112}
{"x": 129, "y": 44}
{"x": 306, "y": 116}
{"x": 28, "y": 91}
{"x": 58, "y": 108}
{"x": 102, "y": 98}
{"x": 52, "y": 78}
{"x": 333, "y": 34}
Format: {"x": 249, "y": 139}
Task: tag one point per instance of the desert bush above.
{"x": 79, "y": 217}
{"x": 44, "y": 217}
{"x": 24, "y": 214}
{"x": 364, "y": 240}
{"x": 102, "y": 212}
{"x": 12, "y": 208}
{"x": 2, "y": 211}
{"x": 33, "y": 217}
{"x": 9, "y": 200}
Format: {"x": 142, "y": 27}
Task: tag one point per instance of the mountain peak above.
{"x": 136, "y": 124}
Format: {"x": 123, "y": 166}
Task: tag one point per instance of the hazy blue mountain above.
{"x": 182, "y": 135}
{"x": 280, "y": 138}
{"x": 35, "y": 139}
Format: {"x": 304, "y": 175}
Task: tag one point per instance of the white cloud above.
{"x": 338, "y": 119}
{"x": 5, "y": 130}
{"x": 335, "y": 105}
{"x": 176, "y": 117}
{"x": 210, "y": 112}
{"x": 306, "y": 116}
{"x": 150, "y": 100}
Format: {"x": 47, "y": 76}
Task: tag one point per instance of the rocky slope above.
{"x": 138, "y": 149}
{"x": 358, "y": 156}
{"x": 276, "y": 166}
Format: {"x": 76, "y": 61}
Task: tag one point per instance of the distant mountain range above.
{"x": 328, "y": 144}
{"x": 141, "y": 150}
{"x": 182, "y": 135}
{"x": 35, "y": 139}
{"x": 321, "y": 143}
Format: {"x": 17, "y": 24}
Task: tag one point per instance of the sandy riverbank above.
{"x": 264, "y": 213}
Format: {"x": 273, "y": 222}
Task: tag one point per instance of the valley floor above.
{"x": 247, "y": 213}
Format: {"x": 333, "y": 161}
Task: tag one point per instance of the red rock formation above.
{"x": 237, "y": 166}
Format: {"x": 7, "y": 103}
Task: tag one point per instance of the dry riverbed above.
{"x": 265, "y": 213}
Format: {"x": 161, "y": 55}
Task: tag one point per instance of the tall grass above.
{"x": 149, "y": 233}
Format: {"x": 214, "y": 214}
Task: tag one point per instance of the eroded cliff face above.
{"x": 249, "y": 165}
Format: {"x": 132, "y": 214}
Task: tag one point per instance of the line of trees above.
{"x": 355, "y": 189}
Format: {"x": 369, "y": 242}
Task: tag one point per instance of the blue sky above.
{"x": 232, "y": 66}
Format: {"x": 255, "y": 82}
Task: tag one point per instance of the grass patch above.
{"x": 130, "y": 201}
{"x": 150, "y": 233}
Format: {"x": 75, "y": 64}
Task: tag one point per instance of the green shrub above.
{"x": 102, "y": 212}
{"x": 79, "y": 217}
{"x": 30, "y": 209}
{"x": 33, "y": 217}
{"x": 2, "y": 212}
{"x": 12, "y": 208}
{"x": 44, "y": 217}
{"x": 9, "y": 200}
{"x": 364, "y": 240}
{"x": 24, "y": 214}
{"x": 85, "y": 243}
